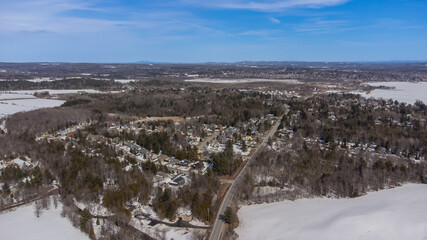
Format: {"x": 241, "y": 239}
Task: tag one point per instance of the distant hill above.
{"x": 333, "y": 65}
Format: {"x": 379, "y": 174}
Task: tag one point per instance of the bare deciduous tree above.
{"x": 38, "y": 208}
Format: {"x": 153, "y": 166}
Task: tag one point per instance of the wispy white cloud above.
{"x": 30, "y": 17}
{"x": 262, "y": 33}
{"x": 274, "y": 20}
{"x": 265, "y": 5}
{"x": 320, "y": 25}
{"x": 41, "y": 16}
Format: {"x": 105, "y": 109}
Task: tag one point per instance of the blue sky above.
{"x": 212, "y": 30}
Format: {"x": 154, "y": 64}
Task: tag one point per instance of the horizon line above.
{"x": 218, "y": 62}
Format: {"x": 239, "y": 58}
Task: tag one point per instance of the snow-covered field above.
{"x": 10, "y": 107}
{"x": 398, "y": 213}
{"x": 45, "y": 79}
{"x": 210, "y": 80}
{"x": 124, "y": 80}
{"x": 22, "y": 224}
{"x": 404, "y": 91}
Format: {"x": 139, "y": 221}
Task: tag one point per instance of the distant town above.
{"x": 174, "y": 151}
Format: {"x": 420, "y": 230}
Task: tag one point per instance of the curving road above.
{"x": 218, "y": 226}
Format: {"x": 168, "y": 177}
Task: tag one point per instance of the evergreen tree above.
{"x": 85, "y": 216}
{"x": 244, "y": 147}
{"x": 228, "y": 215}
{"x": 6, "y": 189}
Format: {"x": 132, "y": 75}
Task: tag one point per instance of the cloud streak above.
{"x": 62, "y": 17}
{"x": 320, "y": 25}
{"x": 41, "y": 16}
{"x": 274, "y": 20}
{"x": 265, "y": 5}
{"x": 261, "y": 33}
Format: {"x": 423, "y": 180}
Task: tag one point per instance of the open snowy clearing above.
{"x": 227, "y": 81}
{"x": 398, "y": 213}
{"x": 404, "y": 91}
{"x": 10, "y": 107}
{"x": 45, "y": 79}
{"x": 124, "y": 80}
{"x": 22, "y": 224}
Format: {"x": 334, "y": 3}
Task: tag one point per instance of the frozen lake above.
{"x": 8, "y": 96}
{"x": 22, "y": 224}
{"x": 9, "y": 107}
{"x": 54, "y": 91}
{"x": 404, "y": 91}
{"x": 12, "y": 102}
{"x": 398, "y": 213}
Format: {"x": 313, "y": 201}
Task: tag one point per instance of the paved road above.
{"x": 219, "y": 223}
{"x": 179, "y": 223}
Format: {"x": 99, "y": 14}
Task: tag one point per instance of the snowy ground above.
{"x": 10, "y": 107}
{"x": 404, "y": 91}
{"x": 161, "y": 231}
{"x": 45, "y": 79}
{"x": 210, "y": 80}
{"x": 3, "y": 126}
{"x": 398, "y": 213}
{"x": 22, "y": 224}
{"x": 124, "y": 80}
{"x": 238, "y": 150}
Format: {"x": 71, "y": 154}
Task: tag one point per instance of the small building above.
{"x": 221, "y": 139}
{"x": 198, "y": 165}
{"x": 184, "y": 163}
{"x": 205, "y": 155}
{"x": 186, "y": 217}
{"x": 173, "y": 161}
{"x": 164, "y": 158}
{"x": 178, "y": 181}
{"x": 131, "y": 207}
